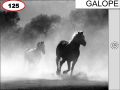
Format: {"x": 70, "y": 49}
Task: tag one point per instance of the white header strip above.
{"x": 97, "y": 4}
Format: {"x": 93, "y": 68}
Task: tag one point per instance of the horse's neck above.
{"x": 74, "y": 44}
{"x": 38, "y": 49}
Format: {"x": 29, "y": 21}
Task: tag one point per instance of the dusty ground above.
{"x": 44, "y": 84}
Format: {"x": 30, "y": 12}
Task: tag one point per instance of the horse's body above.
{"x": 69, "y": 51}
{"x": 34, "y": 55}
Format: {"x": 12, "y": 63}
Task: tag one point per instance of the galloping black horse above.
{"x": 69, "y": 51}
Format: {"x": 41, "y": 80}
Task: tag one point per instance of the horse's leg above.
{"x": 73, "y": 64}
{"x": 60, "y": 64}
{"x": 68, "y": 63}
{"x": 57, "y": 63}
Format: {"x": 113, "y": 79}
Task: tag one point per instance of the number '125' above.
{"x": 13, "y": 5}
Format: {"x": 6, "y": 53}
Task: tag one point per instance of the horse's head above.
{"x": 41, "y": 46}
{"x": 81, "y": 38}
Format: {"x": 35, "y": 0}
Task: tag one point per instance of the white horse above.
{"x": 34, "y": 55}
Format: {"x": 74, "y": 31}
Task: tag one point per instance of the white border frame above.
{"x": 114, "y": 63}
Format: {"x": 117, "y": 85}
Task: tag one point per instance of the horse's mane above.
{"x": 74, "y": 34}
{"x": 30, "y": 50}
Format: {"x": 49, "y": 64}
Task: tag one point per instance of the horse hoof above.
{"x": 58, "y": 73}
{"x": 64, "y": 72}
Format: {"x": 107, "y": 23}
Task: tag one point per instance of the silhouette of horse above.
{"x": 34, "y": 55}
{"x": 69, "y": 51}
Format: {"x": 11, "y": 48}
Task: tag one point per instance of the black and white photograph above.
{"x": 51, "y": 45}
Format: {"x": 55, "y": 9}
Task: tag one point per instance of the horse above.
{"x": 34, "y": 55}
{"x": 69, "y": 51}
